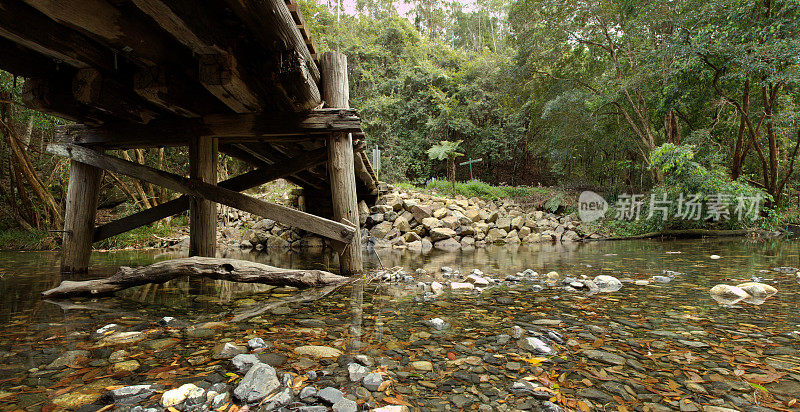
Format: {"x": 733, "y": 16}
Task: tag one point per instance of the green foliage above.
{"x": 19, "y": 239}
{"x": 683, "y": 175}
{"x": 675, "y": 162}
{"x": 141, "y": 236}
{"x": 474, "y": 188}
{"x": 554, "y": 203}
{"x": 687, "y": 181}
{"x": 445, "y": 150}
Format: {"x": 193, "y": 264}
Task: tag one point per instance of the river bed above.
{"x": 649, "y": 346}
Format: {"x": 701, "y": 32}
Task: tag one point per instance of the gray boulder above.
{"x": 259, "y": 382}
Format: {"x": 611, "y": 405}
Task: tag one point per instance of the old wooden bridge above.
{"x": 241, "y": 77}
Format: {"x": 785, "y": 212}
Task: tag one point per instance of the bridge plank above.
{"x": 218, "y": 70}
{"x": 333, "y": 230}
{"x": 28, "y": 27}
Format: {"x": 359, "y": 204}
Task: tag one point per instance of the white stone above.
{"x": 478, "y": 280}
{"x": 437, "y": 323}
{"x": 715, "y": 257}
{"x": 728, "y": 295}
{"x": 461, "y": 287}
{"x": 757, "y": 289}
{"x": 173, "y": 397}
{"x": 437, "y": 288}
{"x": 105, "y": 329}
{"x": 316, "y": 351}
{"x": 607, "y": 283}
{"x": 391, "y": 408}
{"x": 535, "y": 345}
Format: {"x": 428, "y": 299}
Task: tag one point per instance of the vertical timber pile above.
{"x": 341, "y": 169}
{"x": 203, "y": 213}
{"x": 81, "y": 209}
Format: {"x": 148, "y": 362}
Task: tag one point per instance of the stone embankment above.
{"x": 420, "y": 221}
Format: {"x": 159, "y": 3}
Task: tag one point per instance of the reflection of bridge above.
{"x": 236, "y": 76}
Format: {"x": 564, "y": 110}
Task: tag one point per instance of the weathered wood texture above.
{"x": 336, "y": 231}
{"x": 215, "y": 268}
{"x": 82, "y": 194}
{"x": 229, "y": 127}
{"x": 249, "y": 55}
{"x": 202, "y": 212}
{"x": 271, "y": 22}
{"x": 239, "y": 183}
{"x": 156, "y": 73}
{"x": 341, "y": 167}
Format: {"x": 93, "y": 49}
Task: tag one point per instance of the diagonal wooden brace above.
{"x": 327, "y": 228}
{"x": 239, "y": 183}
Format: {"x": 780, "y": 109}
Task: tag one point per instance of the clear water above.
{"x": 386, "y": 317}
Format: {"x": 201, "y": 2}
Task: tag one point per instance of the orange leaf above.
{"x": 395, "y": 401}
{"x": 672, "y": 385}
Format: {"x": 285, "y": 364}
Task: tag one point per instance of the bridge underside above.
{"x": 241, "y": 77}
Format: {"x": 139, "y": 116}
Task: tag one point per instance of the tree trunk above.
{"x": 452, "y": 172}
{"x": 25, "y": 167}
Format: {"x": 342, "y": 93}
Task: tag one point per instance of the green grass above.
{"x": 141, "y": 236}
{"x": 474, "y": 188}
{"x": 20, "y": 239}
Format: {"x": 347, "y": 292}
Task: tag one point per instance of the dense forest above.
{"x": 576, "y": 93}
{"x": 616, "y": 95}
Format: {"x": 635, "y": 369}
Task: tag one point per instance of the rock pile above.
{"x": 420, "y": 221}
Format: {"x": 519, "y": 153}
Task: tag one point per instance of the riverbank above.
{"x": 405, "y": 216}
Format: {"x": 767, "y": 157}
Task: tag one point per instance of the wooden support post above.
{"x": 82, "y": 194}
{"x": 203, "y": 213}
{"x": 341, "y": 168}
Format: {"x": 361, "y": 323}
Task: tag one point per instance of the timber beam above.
{"x": 22, "y": 24}
{"x": 218, "y": 69}
{"x": 228, "y": 127}
{"x": 336, "y": 231}
{"x": 239, "y": 183}
{"x": 23, "y": 62}
{"x": 241, "y": 152}
{"x": 174, "y": 93}
{"x": 107, "y": 95}
{"x": 271, "y": 22}
{"x": 53, "y": 95}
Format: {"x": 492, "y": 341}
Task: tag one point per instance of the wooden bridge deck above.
{"x": 239, "y": 76}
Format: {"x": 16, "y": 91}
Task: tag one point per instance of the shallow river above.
{"x": 648, "y": 346}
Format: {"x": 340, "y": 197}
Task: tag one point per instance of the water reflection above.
{"x": 29, "y": 273}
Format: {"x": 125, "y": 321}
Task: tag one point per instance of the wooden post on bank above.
{"x": 341, "y": 169}
{"x": 203, "y": 213}
{"x": 81, "y": 209}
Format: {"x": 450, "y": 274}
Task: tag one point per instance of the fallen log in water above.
{"x": 215, "y": 268}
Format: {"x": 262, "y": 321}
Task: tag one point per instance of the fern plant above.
{"x": 447, "y": 150}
